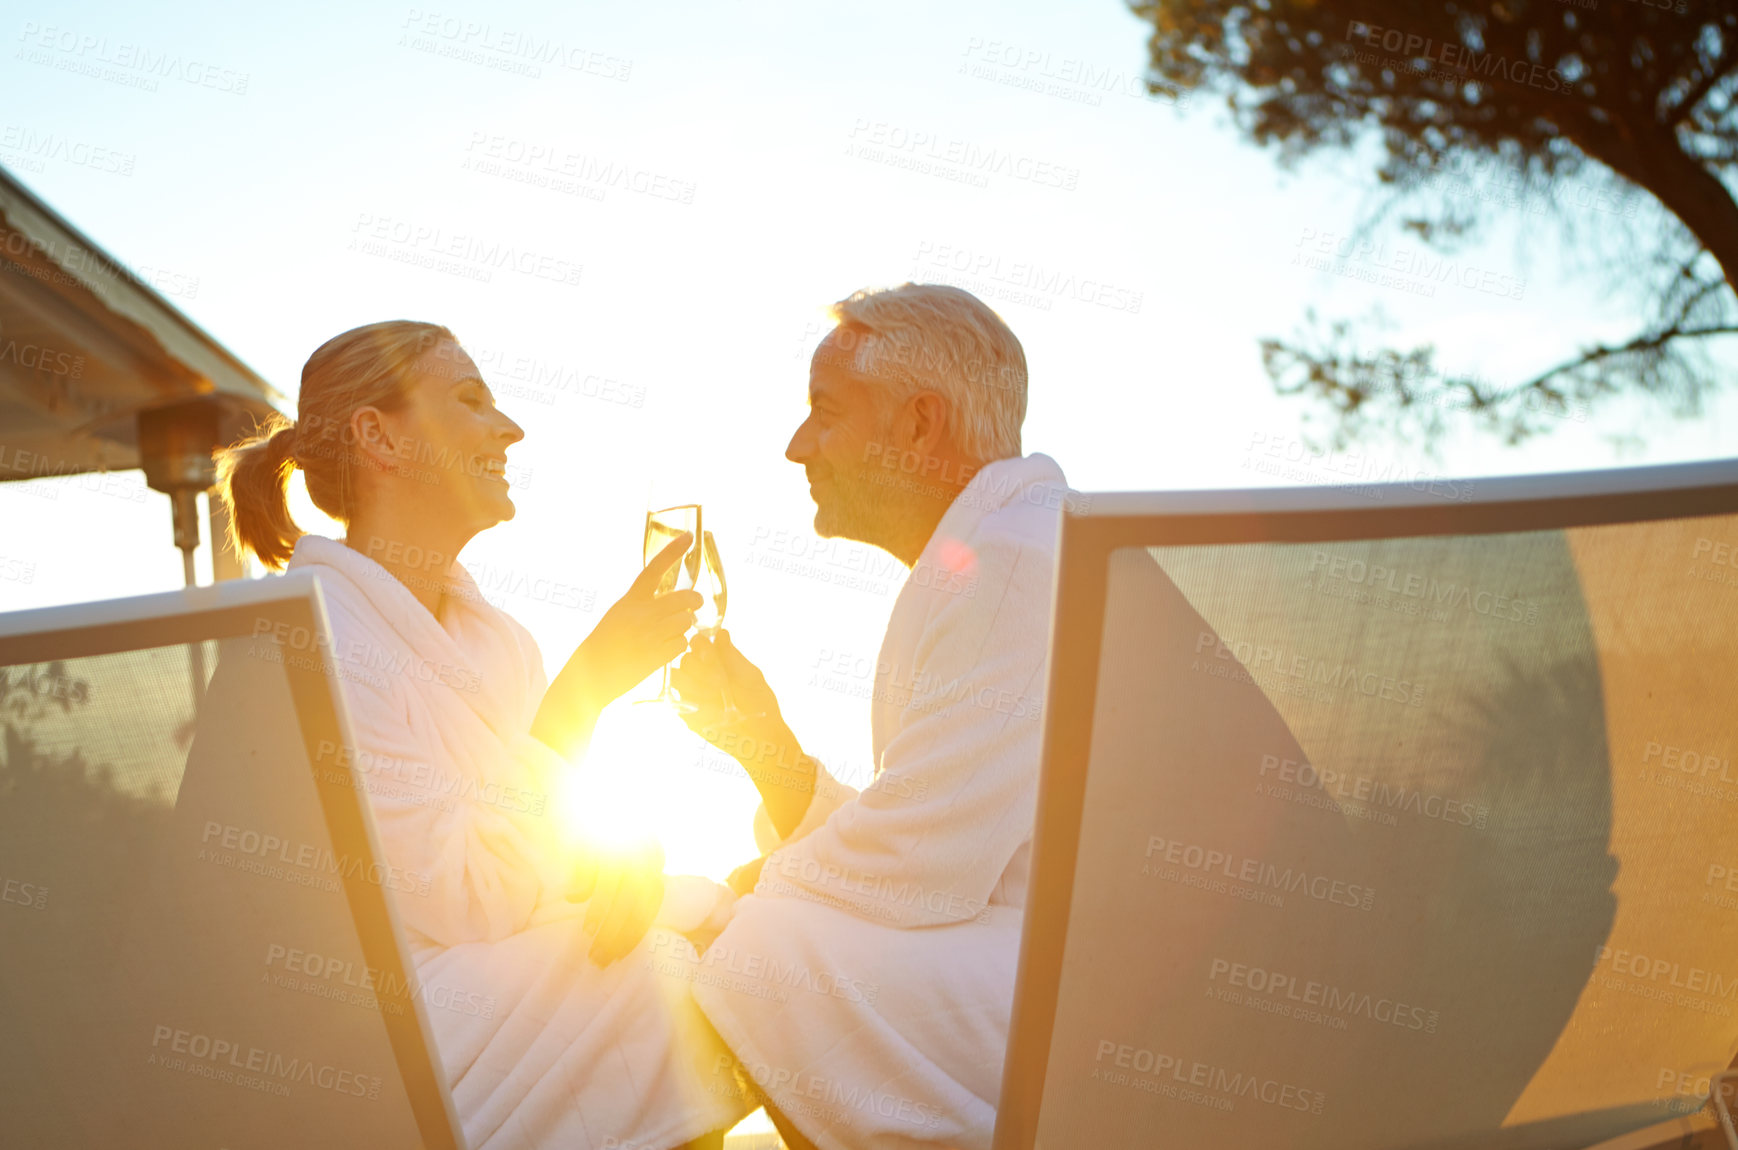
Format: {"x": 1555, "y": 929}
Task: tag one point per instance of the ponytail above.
{"x": 252, "y": 480}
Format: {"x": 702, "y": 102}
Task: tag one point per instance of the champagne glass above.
{"x": 714, "y": 567}
{"x": 662, "y": 527}
{"x": 710, "y": 617}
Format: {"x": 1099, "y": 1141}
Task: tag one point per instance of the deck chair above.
{"x": 1387, "y": 818}
{"x": 197, "y": 941}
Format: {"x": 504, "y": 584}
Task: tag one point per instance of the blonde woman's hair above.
{"x": 932, "y": 337}
{"x": 366, "y": 366}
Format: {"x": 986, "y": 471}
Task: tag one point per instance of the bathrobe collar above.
{"x": 995, "y": 486}
{"x": 471, "y": 634}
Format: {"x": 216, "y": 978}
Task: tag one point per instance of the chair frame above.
{"x": 1095, "y": 526}
{"x": 260, "y": 607}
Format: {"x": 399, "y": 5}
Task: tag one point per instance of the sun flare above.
{"x": 646, "y": 777}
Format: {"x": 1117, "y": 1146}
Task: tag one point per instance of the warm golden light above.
{"x": 645, "y": 778}
{"x": 597, "y": 803}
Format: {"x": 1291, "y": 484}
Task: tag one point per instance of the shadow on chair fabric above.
{"x": 1366, "y": 844}
{"x": 1379, "y": 846}
{"x": 210, "y": 958}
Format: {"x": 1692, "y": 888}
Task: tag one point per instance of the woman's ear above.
{"x": 374, "y": 440}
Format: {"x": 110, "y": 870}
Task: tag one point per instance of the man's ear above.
{"x": 929, "y": 421}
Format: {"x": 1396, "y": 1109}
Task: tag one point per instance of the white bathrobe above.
{"x": 541, "y": 1047}
{"x": 867, "y": 983}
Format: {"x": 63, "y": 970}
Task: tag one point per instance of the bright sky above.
{"x": 695, "y": 189}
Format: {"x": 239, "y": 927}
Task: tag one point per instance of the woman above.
{"x": 546, "y": 1039}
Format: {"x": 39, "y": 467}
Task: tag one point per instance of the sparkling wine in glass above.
{"x": 711, "y": 616}
{"x": 661, "y": 528}
{"x": 711, "y": 619}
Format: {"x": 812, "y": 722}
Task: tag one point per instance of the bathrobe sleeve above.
{"x": 466, "y": 818}
{"x": 956, "y": 792}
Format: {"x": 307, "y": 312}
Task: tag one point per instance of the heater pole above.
{"x": 175, "y": 448}
{"x": 185, "y": 501}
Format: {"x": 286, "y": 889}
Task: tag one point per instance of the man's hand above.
{"x": 711, "y": 667}
{"x": 714, "y": 670}
{"x": 636, "y": 636}
{"x": 759, "y": 739}
{"x": 623, "y": 891}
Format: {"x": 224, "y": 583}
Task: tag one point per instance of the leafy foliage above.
{"x": 1548, "y": 96}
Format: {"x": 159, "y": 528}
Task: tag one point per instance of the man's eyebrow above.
{"x": 476, "y": 379}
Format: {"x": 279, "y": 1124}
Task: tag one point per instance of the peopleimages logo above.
{"x": 1676, "y": 975}
{"x": 792, "y": 975}
{"x": 424, "y": 779}
{"x": 1689, "y": 762}
{"x": 1363, "y": 789}
{"x": 1416, "y": 585}
{"x": 881, "y": 889}
{"x": 368, "y": 658}
{"x": 475, "y": 257}
{"x": 478, "y": 42}
{"x": 373, "y": 987}
{"x": 1413, "y": 46}
{"x": 1414, "y": 267}
{"x": 48, "y": 682}
{"x": 226, "y": 1057}
{"x": 38, "y": 146}
{"x": 1046, "y": 283}
{"x": 1310, "y": 993}
{"x": 1258, "y": 656}
{"x": 1216, "y": 1079}
{"x": 240, "y": 848}
{"x": 1216, "y": 869}
{"x": 914, "y": 689}
{"x": 803, "y": 1088}
{"x": 1346, "y": 467}
{"x": 94, "y": 55}
{"x": 880, "y": 140}
{"x": 20, "y": 893}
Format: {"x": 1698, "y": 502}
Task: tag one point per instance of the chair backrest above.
{"x": 197, "y": 944}
{"x": 1386, "y": 818}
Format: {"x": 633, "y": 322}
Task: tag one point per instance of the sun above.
{"x": 646, "y": 777}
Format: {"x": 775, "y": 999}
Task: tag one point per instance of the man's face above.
{"x": 847, "y": 414}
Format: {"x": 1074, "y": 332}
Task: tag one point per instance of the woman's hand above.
{"x": 636, "y": 636}
{"x": 745, "y": 877}
{"x": 642, "y": 631}
{"x": 623, "y": 891}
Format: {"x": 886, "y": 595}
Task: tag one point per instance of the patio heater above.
{"x": 175, "y": 447}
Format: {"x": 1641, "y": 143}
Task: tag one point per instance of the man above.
{"x": 865, "y": 985}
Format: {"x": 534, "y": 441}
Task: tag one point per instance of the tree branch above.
{"x": 1721, "y": 68}
{"x": 1641, "y": 343}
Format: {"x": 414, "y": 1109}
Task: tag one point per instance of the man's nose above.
{"x": 511, "y": 431}
{"x": 800, "y": 448}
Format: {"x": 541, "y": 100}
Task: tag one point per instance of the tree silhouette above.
{"x": 1557, "y": 102}
{"x": 80, "y": 827}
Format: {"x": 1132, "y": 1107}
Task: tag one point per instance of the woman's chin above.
{"x": 483, "y": 509}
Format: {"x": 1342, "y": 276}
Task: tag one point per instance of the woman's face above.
{"x": 446, "y": 445}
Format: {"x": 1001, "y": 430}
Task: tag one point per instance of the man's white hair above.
{"x": 932, "y": 337}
